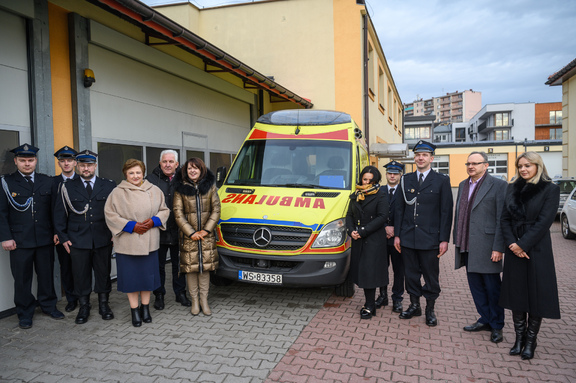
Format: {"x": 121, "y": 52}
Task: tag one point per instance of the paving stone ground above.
{"x": 264, "y": 334}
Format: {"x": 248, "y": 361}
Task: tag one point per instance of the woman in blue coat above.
{"x": 529, "y": 286}
{"x": 366, "y": 225}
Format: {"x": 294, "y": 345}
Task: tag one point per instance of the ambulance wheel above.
{"x": 220, "y": 281}
{"x": 346, "y": 289}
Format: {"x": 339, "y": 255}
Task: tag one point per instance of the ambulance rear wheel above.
{"x": 346, "y": 289}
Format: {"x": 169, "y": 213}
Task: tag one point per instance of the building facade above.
{"x": 451, "y": 108}
{"x": 326, "y": 49}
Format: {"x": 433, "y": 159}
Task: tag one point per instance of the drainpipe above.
{"x": 365, "y": 95}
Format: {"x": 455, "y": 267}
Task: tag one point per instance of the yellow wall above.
{"x": 61, "y": 83}
{"x": 569, "y": 128}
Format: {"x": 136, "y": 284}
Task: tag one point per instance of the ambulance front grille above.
{"x": 284, "y": 238}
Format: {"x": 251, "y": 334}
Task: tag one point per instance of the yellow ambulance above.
{"x": 285, "y": 198}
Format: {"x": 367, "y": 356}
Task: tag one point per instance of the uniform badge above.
{"x": 14, "y": 194}
{"x": 412, "y": 190}
{"x": 26, "y": 147}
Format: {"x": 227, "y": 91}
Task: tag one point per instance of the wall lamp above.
{"x": 89, "y": 78}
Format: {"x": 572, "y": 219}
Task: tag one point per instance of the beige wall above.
{"x": 568, "y": 128}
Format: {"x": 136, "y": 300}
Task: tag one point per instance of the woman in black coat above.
{"x": 366, "y": 224}
{"x": 529, "y": 285}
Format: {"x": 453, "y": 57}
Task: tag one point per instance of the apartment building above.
{"x": 452, "y": 107}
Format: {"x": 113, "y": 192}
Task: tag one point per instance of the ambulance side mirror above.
{"x": 220, "y": 176}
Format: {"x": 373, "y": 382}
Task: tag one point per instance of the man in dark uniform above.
{"x": 422, "y": 226}
{"x": 81, "y": 228}
{"x": 394, "y": 170}
{"x": 163, "y": 177}
{"x": 26, "y": 231}
{"x": 67, "y": 162}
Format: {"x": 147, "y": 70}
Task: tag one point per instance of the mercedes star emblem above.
{"x": 262, "y": 237}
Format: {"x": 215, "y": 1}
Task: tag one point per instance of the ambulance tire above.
{"x": 217, "y": 280}
{"x": 346, "y": 289}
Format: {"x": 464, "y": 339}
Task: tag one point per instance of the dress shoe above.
{"x": 159, "y": 301}
{"x": 145, "y": 313}
{"x": 54, "y": 314}
{"x": 25, "y": 324}
{"x": 71, "y": 306}
{"x": 382, "y": 300}
{"x": 496, "y": 336}
{"x": 397, "y": 306}
{"x": 136, "y": 319}
{"x": 183, "y": 299}
{"x": 430, "y": 314}
{"x": 477, "y": 326}
{"x": 103, "y": 307}
{"x": 366, "y": 313}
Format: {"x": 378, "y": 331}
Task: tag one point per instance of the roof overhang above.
{"x": 563, "y": 74}
{"x": 382, "y": 150}
{"x": 151, "y": 20}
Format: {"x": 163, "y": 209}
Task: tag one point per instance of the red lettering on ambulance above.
{"x": 286, "y": 201}
{"x": 239, "y": 198}
{"x": 228, "y": 198}
{"x": 261, "y": 200}
{"x": 318, "y": 203}
{"x": 272, "y": 200}
{"x": 250, "y": 200}
{"x": 302, "y": 202}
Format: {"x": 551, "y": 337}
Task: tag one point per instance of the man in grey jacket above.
{"x": 479, "y": 242}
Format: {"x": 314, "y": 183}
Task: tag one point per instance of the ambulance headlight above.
{"x": 332, "y": 235}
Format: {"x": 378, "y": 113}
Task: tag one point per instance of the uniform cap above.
{"x": 424, "y": 146}
{"x": 65, "y": 152}
{"x": 86, "y": 156}
{"x": 394, "y": 167}
{"x": 25, "y": 150}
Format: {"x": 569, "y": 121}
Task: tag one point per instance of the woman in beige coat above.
{"x": 135, "y": 213}
{"x": 197, "y": 212}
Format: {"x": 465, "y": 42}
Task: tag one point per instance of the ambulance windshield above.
{"x": 293, "y": 163}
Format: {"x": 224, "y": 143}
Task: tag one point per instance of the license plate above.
{"x": 250, "y": 276}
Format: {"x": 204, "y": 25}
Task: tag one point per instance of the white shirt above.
{"x": 424, "y": 175}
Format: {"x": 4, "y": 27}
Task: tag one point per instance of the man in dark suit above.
{"x": 422, "y": 225}
{"x": 81, "y": 228}
{"x": 479, "y": 242}
{"x": 163, "y": 177}
{"x": 67, "y": 162}
{"x": 26, "y": 232}
{"x": 394, "y": 170}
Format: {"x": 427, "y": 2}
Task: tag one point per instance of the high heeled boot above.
{"x": 192, "y": 283}
{"x": 519, "y": 319}
{"x": 531, "y": 334}
{"x": 145, "y": 313}
{"x": 204, "y": 286}
{"x": 136, "y": 319}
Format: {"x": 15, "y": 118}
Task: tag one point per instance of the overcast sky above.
{"x": 505, "y": 49}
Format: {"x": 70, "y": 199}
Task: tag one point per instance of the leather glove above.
{"x": 149, "y": 224}
{"x": 140, "y": 228}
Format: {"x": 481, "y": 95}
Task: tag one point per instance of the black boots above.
{"x": 145, "y": 313}
{"x": 531, "y": 334}
{"x": 430, "y": 315}
{"x": 136, "y": 319}
{"x": 183, "y": 299}
{"x": 103, "y": 307}
{"x": 382, "y": 299}
{"x": 519, "y": 319}
{"x": 84, "y": 311}
{"x": 159, "y": 301}
{"x": 413, "y": 310}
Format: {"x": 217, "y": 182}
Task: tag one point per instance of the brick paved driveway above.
{"x": 261, "y": 334}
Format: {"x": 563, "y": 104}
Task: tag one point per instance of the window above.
{"x": 153, "y": 157}
{"x": 193, "y": 153}
{"x": 556, "y": 133}
{"x": 416, "y": 133}
{"x": 8, "y": 141}
{"x": 111, "y": 158}
{"x": 371, "y": 68}
{"x": 220, "y": 159}
{"x": 441, "y": 164}
{"x": 389, "y": 102}
{"x": 381, "y": 87}
{"x": 460, "y": 134}
{"x": 555, "y": 116}
{"x": 502, "y": 119}
{"x": 501, "y": 135}
{"x": 498, "y": 165}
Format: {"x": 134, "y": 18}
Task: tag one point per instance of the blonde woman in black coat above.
{"x": 529, "y": 285}
{"x": 366, "y": 225}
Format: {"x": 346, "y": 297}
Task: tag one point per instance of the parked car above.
{"x": 568, "y": 216}
{"x": 566, "y": 186}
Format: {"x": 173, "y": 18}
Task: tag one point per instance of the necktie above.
{"x": 29, "y": 179}
{"x": 88, "y": 188}
{"x": 421, "y": 179}
{"x": 391, "y": 194}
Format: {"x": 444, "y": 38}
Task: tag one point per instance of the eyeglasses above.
{"x": 475, "y": 163}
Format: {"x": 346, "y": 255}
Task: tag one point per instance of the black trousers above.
{"x": 86, "y": 260}
{"x": 398, "y": 270}
{"x": 23, "y": 263}
{"x": 178, "y": 282}
{"x": 66, "y": 273}
{"x": 423, "y": 263}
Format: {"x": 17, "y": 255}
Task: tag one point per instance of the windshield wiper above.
{"x": 305, "y": 186}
